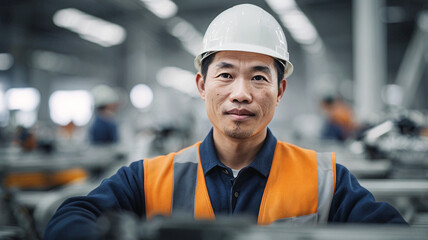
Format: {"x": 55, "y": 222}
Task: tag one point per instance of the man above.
{"x": 240, "y": 168}
{"x": 104, "y": 128}
{"x": 340, "y": 124}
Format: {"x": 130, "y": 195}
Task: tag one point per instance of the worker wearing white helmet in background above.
{"x": 103, "y": 129}
{"x": 240, "y": 168}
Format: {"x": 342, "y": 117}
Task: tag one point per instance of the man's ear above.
{"x": 281, "y": 90}
{"x": 200, "y": 84}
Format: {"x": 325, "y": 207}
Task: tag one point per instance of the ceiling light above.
{"x": 297, "y": 23}
{"x": 70, "y": 106}
{"x": 299, "y": 26}
{"x": 179, "y": 79}
{"x": 89, "y": 27}
{"x": 24, "y": 99}
{"x": 189, "y": 37}
{"x": 281, "y": 5}
{"x": 161, "y": 8}
{"x": 141, "y": 96}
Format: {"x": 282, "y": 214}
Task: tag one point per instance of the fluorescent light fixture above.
{"x": 189, "y": 37}
{"x": 161, "y": 8}
{"x": 282, "y": 5}
{"x": 6, "y": 61}
{"x": 90, "y": 28}
{"x": 24, "y": 99}
{"x": 141, "y": 96}
{"x": 299, "y": 26}
{"x": 179, "y": 79}
{"x": 67, "y": 106}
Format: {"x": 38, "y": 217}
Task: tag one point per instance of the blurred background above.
{"x": 89, "y": 86}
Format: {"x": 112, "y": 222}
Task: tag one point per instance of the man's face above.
{"x": 241, "y": 93}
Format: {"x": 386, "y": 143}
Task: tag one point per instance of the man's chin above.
{"x": 238, "y": 132}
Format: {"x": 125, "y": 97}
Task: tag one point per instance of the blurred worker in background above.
{"x": 240, "y": 168}
{"x": 340, "y": 123}
{"x": 104, "y": 129}
{"x": 25, "y": 138}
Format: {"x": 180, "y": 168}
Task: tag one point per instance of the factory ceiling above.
{"x": 27, "y": 26}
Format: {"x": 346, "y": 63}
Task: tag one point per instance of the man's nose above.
{"x": 241, "y": 91}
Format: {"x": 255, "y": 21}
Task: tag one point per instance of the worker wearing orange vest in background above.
{"x": 240, "y": 168}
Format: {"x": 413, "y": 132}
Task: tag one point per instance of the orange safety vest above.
{"x": 299, "y": 188}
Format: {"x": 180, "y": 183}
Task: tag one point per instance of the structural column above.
{"x": 369, "y": 58}
{"x": 414, "y": 61}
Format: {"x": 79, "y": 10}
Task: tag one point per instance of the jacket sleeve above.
{"x": 76, "y": 217}
{"x": 353, "y": 203}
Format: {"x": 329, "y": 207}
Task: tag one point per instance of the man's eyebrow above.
{"x": 224, "y": 65}
{"x": 262, "y": 69}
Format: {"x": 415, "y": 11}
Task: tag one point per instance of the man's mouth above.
{"x": 240, "y": 114}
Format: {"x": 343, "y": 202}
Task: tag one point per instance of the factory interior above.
{"x": 359, "y": 89}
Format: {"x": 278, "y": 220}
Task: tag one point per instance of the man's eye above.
{"x": 259, "y": 77}
{"x": 225, "y": 75}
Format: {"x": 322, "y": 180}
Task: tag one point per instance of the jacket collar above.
{"x": 262, "y": 163}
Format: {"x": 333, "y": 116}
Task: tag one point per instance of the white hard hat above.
{"x": 248, "y": 28}
{"x": 104, "y": 95}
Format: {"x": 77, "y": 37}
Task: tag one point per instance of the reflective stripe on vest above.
{"x": 176, "y": 175}
{"x": 301, "y": 184}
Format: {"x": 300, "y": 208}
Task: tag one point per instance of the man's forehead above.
{"x": 227, "y": 58}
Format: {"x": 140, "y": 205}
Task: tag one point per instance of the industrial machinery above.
{"x": 127, "y": 226}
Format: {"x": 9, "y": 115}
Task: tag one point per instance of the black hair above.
{"x": 101, "y": 108}
{"x": 206, "y": 62}
{"x": 328, "y": 100}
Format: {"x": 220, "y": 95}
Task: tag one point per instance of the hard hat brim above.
{"x": 288, "y": 66}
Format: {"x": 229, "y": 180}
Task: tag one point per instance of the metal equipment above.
{"x": 127, "y": 226}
